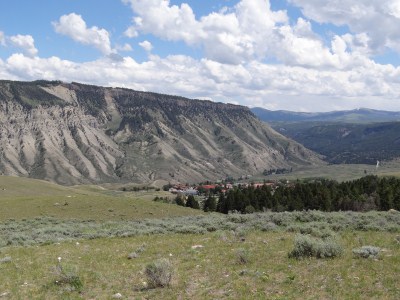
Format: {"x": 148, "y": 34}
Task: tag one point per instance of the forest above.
{"x": 365, "y": 194}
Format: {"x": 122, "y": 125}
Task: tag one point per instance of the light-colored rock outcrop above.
{"x": 72, "y": 133}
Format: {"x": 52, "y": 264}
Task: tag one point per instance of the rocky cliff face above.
{"x": 74, "y": 133}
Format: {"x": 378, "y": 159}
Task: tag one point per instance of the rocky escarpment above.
{"x": 74, "y": 133}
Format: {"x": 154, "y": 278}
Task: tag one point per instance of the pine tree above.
{"x": 210, "y": 204}
{"x": 179, "y": 201}
{"x": 192, "y": 202}
{"x": 221, "y": 204}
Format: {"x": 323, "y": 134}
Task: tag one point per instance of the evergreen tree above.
{"x": 192, "y": 202}
{"x": 179, "y": 200}
{"x": 221, "y": 204}
{"x": 210, "y": 204}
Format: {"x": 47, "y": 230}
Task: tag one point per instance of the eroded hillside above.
{"x": 74, "y": 133}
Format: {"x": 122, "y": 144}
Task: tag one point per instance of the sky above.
{"x": 299, "y": 55}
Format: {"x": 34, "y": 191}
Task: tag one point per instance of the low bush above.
{"x": 44, "y": 230}
{"x": 6, "y": 259}
{"x": 308, "y": 246}
{"x": 159, "y": 273}
{"x": 67, "y": 276}
{"x": 366, "y": 252}
{"x": 243, "y": 256}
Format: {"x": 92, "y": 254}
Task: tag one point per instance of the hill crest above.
{"x": 74, "y": 133}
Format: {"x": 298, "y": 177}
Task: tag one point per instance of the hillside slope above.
{"x": 75, "y": 133}
{"x": 362, "y": 115}
{"x": 347, "y": 143}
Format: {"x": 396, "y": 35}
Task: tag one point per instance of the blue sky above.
{"x": 305, "y": 55}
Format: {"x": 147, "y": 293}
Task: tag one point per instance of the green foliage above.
{"x": 166, "y": 187}
{"x": 31, "y": 95}
{"x": 319, "y": 224}
{"x": 277, "y": 171}
{"x": 159, "y": 273}
{"x": 67, "y": 276}
{"x": 179, "y": 200}
{"x": 346, "y": 143}
{"x": 243, "y": 256}
{"x": 308, "y": 246}
{"x": 364, "y": 194}
{"x": 210, "y": 204}
{"x": 137, "y": 252}
{"x": 192, "y": 202}
{"x": 366, "y": 252}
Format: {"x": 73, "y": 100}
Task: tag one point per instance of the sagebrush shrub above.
{"x": 6, "y": 259}
{"x": 66, "y": 275}
{"x": 308, "y": 246}
{"x": 243, "y": 256}
{"x": 366, "y": 252}
{"x": 159, "y": 273}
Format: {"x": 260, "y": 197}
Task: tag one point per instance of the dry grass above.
{"x": 23, "y": 198}
{"x": 207, "y": 272}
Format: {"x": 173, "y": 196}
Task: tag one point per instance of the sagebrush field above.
{"x": 163, "y": 251}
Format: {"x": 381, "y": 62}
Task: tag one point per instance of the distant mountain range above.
{"x": 352, "y": 136}
{"x": 362, "y": 115}
{"x": 345, "y": 142}
{"x": 74, "y": 133}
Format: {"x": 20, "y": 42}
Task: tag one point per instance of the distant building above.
{"x": 190, "y": 191}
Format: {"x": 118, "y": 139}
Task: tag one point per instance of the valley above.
{"x": 226, "y": 149}
{"x": 361, "y": 136}
{"x": 86, "y": 216}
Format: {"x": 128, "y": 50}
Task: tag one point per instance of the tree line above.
{"x": 367, "y": 193}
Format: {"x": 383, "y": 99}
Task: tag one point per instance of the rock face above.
{"x": 75, "y": 133}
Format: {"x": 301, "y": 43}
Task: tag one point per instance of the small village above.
{"x": 220, "y": 187}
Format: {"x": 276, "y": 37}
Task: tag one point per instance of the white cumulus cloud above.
{"x": 126, "y": 47}
{"x": 228, "y": 36}
{"x": 24, "y": 42}
{"x": 75, "y": 27}
{"x": 308, "y": 73}
{"x": 255, "y": 83}
{"x": 378, "y": 19}
{"x": 249, "y": 31}
{"x": 146, "y": 45}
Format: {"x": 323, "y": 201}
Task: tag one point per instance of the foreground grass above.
{"x": 208, "y": 272}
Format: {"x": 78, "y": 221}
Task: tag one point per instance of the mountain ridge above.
{"x": 75, "y": 133}
{"x": 361, "y": 115}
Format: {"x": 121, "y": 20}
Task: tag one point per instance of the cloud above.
{"x": 126, "y": 47}
{"x": 2, "y": 39}
{"x": 255, "y": 83}
{"x": 379, "y": 20}
{"x": 146, "y": 45}
{"x": 307, "y": 73}
{"x": 25, "y": 42}
{"x": 249, "y": 31}
{"x": 229, "y": 36}
{"x": 75, "y": 27}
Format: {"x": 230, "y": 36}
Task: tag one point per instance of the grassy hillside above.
{"x": 104, "y": 240}
{"x": 346, "y": 143}
{"x": 338, "y": 172}
{"x": 241, "y": 263}
{"x": 24, "y": 198}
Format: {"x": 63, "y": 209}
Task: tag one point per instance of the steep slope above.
{"x": 74, "y": 133}
{"x": 347, "y": 143}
